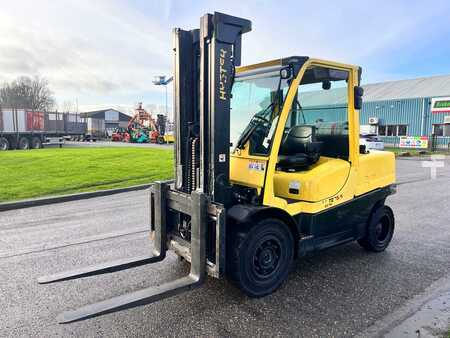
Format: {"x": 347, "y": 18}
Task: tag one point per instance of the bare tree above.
{"x": 67, "y": 106}
{"x": 28, "y": 93}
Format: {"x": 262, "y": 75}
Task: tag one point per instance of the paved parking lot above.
{"x": 339, "y": 292}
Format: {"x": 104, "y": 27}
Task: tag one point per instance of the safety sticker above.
{"x": 294, "y": 187}
{"x": 258, "y": 166}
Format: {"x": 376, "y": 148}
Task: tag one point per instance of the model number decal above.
{"x": 332, "y": 200}
{"x": 258, "y": 166}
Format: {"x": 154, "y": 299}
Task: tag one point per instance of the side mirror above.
{"x": 359, "y": 92}
{"x": 326, "y": 85}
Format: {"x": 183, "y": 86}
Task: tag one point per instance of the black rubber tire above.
{"x": 160, "y": 140}
{"x": 268, "y": 241}
{"x": 4, "y": 144}
{"x": 380, "y": 230}
{"x": 36, "y": 143}
{"x": 24, "y": 143}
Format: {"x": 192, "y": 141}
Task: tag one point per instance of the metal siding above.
{"x": 397, "y": 102}
{"x": 8, "y": 123}
{"x": 332, "y": 113}
{"x": 111, "y": 125}
{"x": 95, "y": 126}
{"x": 21, "y": 120}
{"x": 404, "y": 111}
{"x": 112, "y": 115}
{"x": 395, "y": 112}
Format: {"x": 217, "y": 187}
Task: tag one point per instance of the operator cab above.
{"x": 315, "y": 141}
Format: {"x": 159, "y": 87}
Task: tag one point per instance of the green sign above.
{"x": 442, "y": 104}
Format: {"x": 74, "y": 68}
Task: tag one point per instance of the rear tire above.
{"x": 24, "y": 143}
{"x": 36, "y": 143}
{"x": 380, "y": 230}
{"x": 4, "y": 143}
{"x": 261, "y": 257}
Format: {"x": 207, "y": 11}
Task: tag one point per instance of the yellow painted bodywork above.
{"x": 322, "y": 180}
{"x": 169, "y": 138}
{"x": 248, "y": 170}
{"x": 376, "y": 169}
{"x": 327, "y": 183}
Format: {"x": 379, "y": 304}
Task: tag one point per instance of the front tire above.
{"x": 261, "y": 257}
{"x": 380, "y": 230}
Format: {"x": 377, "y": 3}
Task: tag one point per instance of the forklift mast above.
{"x": 205, "y": 61}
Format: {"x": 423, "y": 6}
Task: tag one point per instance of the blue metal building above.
{"x": 408, "y": 108}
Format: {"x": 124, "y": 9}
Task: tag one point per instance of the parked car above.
{"x": 371, "y": 141}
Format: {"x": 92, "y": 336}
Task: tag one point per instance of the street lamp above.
{"x": 162, "y": 81}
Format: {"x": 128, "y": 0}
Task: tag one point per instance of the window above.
{"x": 255, "y": 107}
{"x": 438, "y": 129}
{"x": 393, "y": 130}
{"x": 322, "y": 103}
{"x": 441, "y": 129}
{"x": 402, "y": 130}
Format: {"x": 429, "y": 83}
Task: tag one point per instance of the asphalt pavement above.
{"x": 338, "y": 292}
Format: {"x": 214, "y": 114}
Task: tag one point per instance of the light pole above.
{"x": 162, "y": 81}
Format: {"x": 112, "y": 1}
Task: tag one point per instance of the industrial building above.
{"x": 101, "y": 123}
{"x": 415, "y": 107}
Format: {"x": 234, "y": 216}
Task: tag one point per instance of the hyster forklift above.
{"x": 268, "y": 169}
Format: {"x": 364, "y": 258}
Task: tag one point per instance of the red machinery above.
{"x": 141, "y": 129}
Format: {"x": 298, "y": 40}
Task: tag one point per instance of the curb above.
{"x": 67, "y": 198}
{"x": 387, "y": 324}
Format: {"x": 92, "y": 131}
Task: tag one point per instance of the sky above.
{"x": 105, "y": 53}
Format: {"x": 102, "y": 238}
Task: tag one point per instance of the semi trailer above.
{"x": 28, "y": 129}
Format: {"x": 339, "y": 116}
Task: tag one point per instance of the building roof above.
{"x": 100, "y": 114}
{"x": 432, "y": 86}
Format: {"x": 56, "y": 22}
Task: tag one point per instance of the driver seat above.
{"x": 300, "y": 149}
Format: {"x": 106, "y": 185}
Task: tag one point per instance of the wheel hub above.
{"x": 267, "y": 257}
{"x": 382, "y": 230}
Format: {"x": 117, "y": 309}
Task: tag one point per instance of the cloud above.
{"x": 96, "y": 47}
{"x": 107, "y": 51}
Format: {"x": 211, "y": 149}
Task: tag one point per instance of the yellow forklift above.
{"x": 268, "y": 169}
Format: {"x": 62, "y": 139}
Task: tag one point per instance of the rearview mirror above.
{"x": 359, "y": 92}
